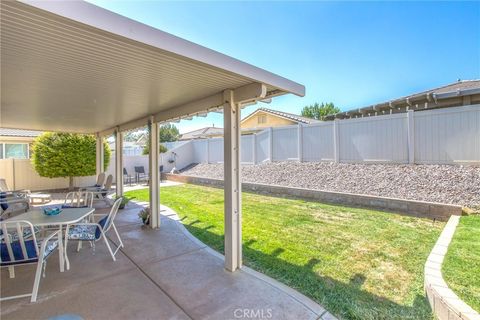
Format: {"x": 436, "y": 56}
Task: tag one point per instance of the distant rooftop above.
{"x": 202, "y": 133}
{"x": 461, "y": 92}
{"x": 19, "y": 133}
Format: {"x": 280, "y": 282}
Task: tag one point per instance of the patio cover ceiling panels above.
{"x": 72, "y": 66}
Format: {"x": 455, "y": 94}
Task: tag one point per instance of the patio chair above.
{"x": 95, "y": 231}
{"x": 102, "y": 194}
{"x": 11, "y": 204}
{"x": 160, "y": 169}
{"x": 78, "y": 199}
{"x": 98, "y": 185}
{"x": 4, "y": 188}
{"x": 16, "y": 250}
{"x": 127, "y": 176}
{"x": 140, "y": 174}
{"x": 24, "y": 193}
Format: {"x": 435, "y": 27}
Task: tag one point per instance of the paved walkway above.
{"x": 160, "y": 274}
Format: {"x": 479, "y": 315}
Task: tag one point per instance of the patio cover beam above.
{"x": 109, "y": 71}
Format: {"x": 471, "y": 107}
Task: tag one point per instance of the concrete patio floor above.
{"x": 160, "y": 274}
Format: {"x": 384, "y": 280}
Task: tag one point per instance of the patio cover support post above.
{"x": 233, "y": 187}
{"x": 154, "y": 174}
{"x": 99, "y": 155}
{"x": 119, "y": 163}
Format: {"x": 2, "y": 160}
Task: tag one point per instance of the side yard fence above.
{"x": 443, "y": 136}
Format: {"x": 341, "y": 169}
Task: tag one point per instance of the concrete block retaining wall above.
{"x": 423, "y": 209}
{"x": 445, "y": 304}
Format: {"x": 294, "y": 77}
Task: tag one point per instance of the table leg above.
{"x": 62, "y": 253}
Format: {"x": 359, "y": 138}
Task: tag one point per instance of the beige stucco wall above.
{"x": 20, "y": 174}
{"x": 272, "y": 121}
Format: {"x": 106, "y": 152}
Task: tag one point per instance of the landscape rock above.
{"x": 450, "y": 184}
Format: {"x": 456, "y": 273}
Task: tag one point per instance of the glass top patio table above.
{"x": 67, "y": 216}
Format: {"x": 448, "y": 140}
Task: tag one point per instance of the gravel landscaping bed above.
{"x": 436, "y": 183}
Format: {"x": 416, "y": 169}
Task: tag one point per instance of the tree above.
{"x": 168, "y": 133}
{"x": 133, "y": 136}
{"x": 146, "y": 149}
{"x": 67, "y": 155}
{"x": 319, "y": 111}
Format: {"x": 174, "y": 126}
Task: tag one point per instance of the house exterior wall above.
{"x": 271, "y": 121}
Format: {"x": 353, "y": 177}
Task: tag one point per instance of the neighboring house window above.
{"x": 15, "y": 150}
{"x": 262, "y": 119}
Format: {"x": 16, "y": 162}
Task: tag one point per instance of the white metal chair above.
{"x": 18, "y": 250}
{"x": 11, "y": 204}
{"x": 95, "y": 231}
{"x": 78, "y": 199}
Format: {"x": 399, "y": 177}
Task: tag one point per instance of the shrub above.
{"x": 66, "y": 155}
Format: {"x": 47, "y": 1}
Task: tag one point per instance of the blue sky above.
{"x": 350, "y": 53}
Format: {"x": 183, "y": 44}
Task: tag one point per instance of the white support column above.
{"x": 411, "y": 136}
{"x": 254, "y": 150}
{"x": 99, "y": 155}
{"x": 270, "y": 144}
{"x": 233, "y": 186}
{"x": 154, "y": 175}
{"x": 336, "y": 141}
{"x": 119, "y": 163}
{"x": 300, "y": 142}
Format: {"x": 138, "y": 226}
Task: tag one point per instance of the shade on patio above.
{"x": 74, "y": 67}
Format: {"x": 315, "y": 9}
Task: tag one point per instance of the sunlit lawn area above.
{"x": 461, "y": 268}
{"x": 359, "y": 264}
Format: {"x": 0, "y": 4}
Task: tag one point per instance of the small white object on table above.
{"x": 66, "y": 216}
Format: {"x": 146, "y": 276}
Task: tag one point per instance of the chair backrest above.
{"x": 85, "y": 198}
{"x": 108, "y": 183}
{"x": 14, "y": 247}
{"x": 71, "y": 199}
{"x": 112, "y": 214}
{"x": 79, "y": 199}
{"x": 3, "y": 185}
{"x": 125, "y": 172}
{"x": 100, "y": 179}
{"x": 161, "y": 168}
{"x": 140, "y": 169}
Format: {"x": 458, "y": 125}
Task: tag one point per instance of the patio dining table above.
{"x": 67, "y": 216}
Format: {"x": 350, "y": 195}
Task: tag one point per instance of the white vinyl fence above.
{"x": 443, "y": 136}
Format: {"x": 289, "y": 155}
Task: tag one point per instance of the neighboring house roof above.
{"x": 201, "y": 133}
{"x": 19, "y": 133}
{"x": 461, "y": 92}
{"x": 290, "y": 116}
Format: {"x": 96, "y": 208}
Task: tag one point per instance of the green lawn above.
{"x": 358, "y": 263}
{"x": 461, "y": 268}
